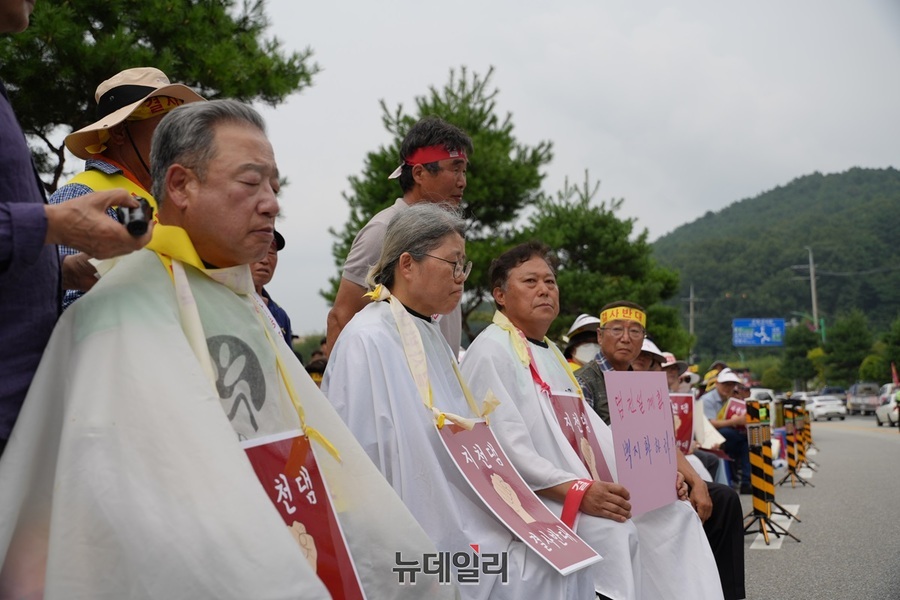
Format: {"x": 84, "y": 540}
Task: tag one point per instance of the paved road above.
{"x": 850, "y": 529}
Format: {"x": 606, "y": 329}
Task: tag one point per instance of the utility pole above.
{"x": 691, "y": 300}
{"x": 812, "y": 289}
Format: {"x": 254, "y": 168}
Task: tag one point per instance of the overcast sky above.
{"x": 677, "y": 109}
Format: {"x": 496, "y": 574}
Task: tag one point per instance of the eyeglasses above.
{"x": 460, "y": 270}
{"x": 617, "y": 331}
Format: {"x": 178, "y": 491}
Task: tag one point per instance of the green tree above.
{"x": 757, "y": 364}
{"x": 798, "y": 341}
{"x": 772, "y": 378}
{"x": 849, "y": 342}
{"x": 504, "y": 176}
{"x": 53, "y": 68}
{"x": 817, "y": 357}
{"x": 874, "y": 368}
{"x": 601, "y": 260}
{"x": 744, "y": 260}
{"x": 892, "y": 344}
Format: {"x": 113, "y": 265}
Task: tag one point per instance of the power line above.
{"x": 853, "y": 273}
{"x": 848, "y": 273}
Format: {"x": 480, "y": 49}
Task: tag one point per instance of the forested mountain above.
{"x": 740, "y": 259}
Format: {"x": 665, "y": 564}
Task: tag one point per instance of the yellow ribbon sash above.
{"x": 519, "y": 344}
{"x": 174, "y": 249}
{"x": 414, "y": 351}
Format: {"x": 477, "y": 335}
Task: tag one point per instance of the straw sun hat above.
{"x": 118, "y": 97}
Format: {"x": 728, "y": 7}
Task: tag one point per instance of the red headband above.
{"x": 430, "y": 154}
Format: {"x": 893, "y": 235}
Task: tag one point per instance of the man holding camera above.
{"x": 30, "y": 270}
{"x": 116, "y": 148}
{"x": 133, "y": 446}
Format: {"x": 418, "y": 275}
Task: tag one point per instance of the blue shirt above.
{"x": 29, "y": 269}
{"x": 280, "y": 316}
{"x": 712, "y": 404}
{"x": 603, "y": 363}
{"x": 75, "y": 190}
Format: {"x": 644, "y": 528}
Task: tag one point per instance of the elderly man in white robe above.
{"x": 514, "y": 359}
{"x": 126, "y": 476}
{"x": 390, "y": 374}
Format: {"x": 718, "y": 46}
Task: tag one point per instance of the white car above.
{"x": 826, "y": 407}
{"x": 886, "y": 393}
{"x": 887, "y": 413}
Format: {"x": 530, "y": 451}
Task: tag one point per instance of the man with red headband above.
{"x": 434, "y": 162}
{"x": 116, "y": 147}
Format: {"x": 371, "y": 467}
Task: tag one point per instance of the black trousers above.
{"x": 725, "y": 532}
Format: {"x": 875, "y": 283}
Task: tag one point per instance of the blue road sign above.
{"x": 757, "y": 332}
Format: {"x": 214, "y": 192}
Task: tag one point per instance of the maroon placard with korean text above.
{"x": 286, "y": 467}
{"x": 683, "y": 417}
{"x": 734, "y": 408}
{"x": 482, "y": 462}
{"x": 576, "y": 426}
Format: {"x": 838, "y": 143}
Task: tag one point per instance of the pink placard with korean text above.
{"x": 286, "y": 467}
{"x": 683, "y": 417}
{"x": 643, "y": 436}
{"x": 486, "y": 468}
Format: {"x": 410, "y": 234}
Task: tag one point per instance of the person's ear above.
{"x": 418, "y": 173}
{"x": 117, "y": 135}
{"x": 181, "y": 184}
{"x": 499, "y": 296}
{"x": 405, "y": 266}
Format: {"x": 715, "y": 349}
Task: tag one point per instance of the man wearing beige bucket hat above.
{"x": 116, "y": 147}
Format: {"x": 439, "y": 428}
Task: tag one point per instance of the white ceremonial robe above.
{"x": 125, "y": 478}
{"x": 674, "y": 561}
{"x": 698, "y": 466}
{"x": 370, "y": 385}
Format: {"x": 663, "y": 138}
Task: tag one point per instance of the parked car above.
{"x": 886, "y": 393}
{"x": 887, "y": 413}
{"x": 825, "y": 407}
{"x": 833, "y": 390}
{"x": 863, "y": 398}
{"x": 762, "y": 394}
{"x": 767, "y": 396}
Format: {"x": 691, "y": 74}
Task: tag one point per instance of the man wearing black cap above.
{"x": 434, "y": 162}
{"x": 116, "y": 148}
{"x": 262, "y": 272}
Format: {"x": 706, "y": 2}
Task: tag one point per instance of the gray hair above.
{"x": 418, "y": 230}
{"x": 186, "y": 136}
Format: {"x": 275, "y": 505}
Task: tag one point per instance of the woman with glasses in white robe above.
{"x": 389, "y": 356}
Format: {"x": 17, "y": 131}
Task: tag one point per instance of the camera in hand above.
{"x": 136, "y": 220}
